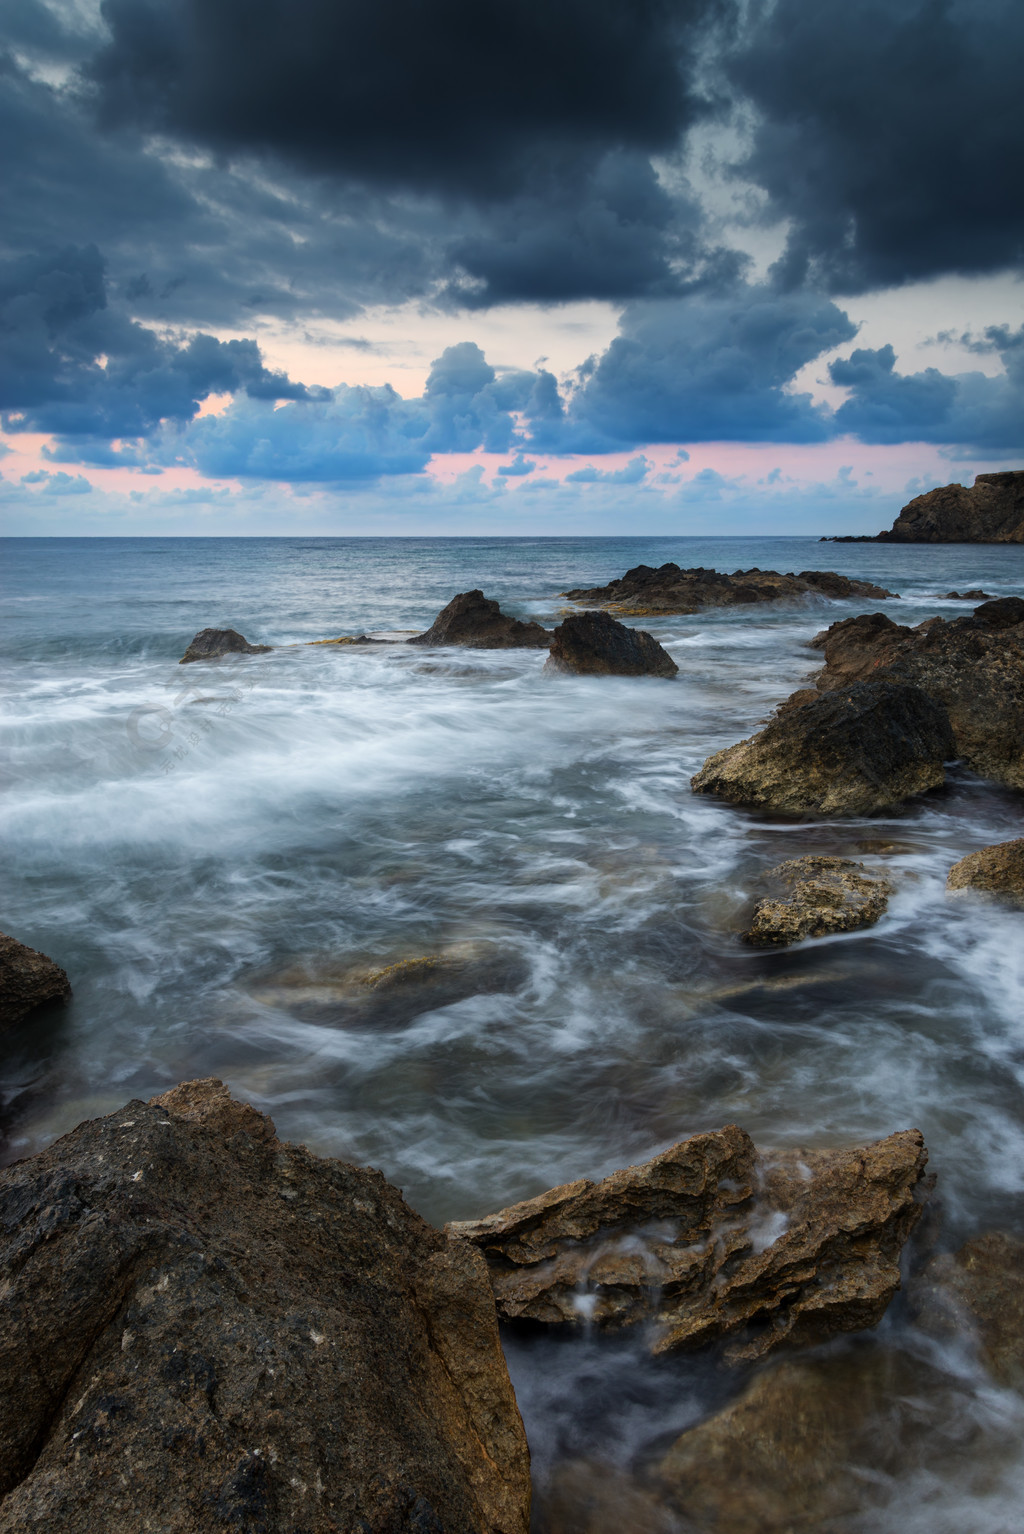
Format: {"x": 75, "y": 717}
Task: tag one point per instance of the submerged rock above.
{"x": 825, "y": 894}
{"x": 853, "y": 752}
{"x": 209, "y": 644}
{"x": 711, "y": 1241}
{"x": 28, "y": 979}
{"x": 249, "y": 1337}
{"x": 972, "y": 666}
{"x": 669, "y": 589}
{"x": 595, "y": 644}
{"x": 997, "y": 870}
{"x": 473, "y": 619}
{"x": 979, "y": 1290}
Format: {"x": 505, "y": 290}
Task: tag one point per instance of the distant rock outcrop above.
{"x": 205, "y": 1329}
{"x": 972, "y": 666}
{"x": 210, "y": 644}
{"x": 28, "y": 979}
{"x": 473, "y": 619}
{"x": 595, "y": 644}
{"x": 866, "y": 748}
{"x": 997, "y": 871}
{"x": 822, "y": 895}
{"x": 710, "y": 1241}
{"x": 990, "y": 511}
{"x": 670, "y": 589}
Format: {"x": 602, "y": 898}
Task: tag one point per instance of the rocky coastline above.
{"x": 989, "y": 511}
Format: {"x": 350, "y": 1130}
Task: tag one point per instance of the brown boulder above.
{"x": 210, "y": 644}
{"x": 473, "y": 619}
{"x": 996, "y": 870}
{"x": 991, "y": 511}
{"x": 205, "y": 1328}
{"x": 710, "y": 1241}
{"x": 669, "y": 589}
{"x": 28, "y": 979}
{"x": 825, "y": 894}
{"x": 594, "y": 644}
{"x": 853, "y": 752}
{"x": 979, "y": 1290}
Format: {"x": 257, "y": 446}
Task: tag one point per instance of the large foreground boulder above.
{"x": 211, "y": 644}
{"x": 205, "y": 1329}
{"x": 820, "y": 895}
{"x": 972, "y": 666}
{"x": 595, "y": 644}
{"x": 670, "y": 589}
{"x": 473, "y": 619}
{"x": 711, "y": 1241}
{"x": 28, "y": 979}
{"x": 866, "y": 748}
{"x": 997, "y": 871}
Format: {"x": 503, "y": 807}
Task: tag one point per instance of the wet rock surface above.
{"x": 821, "y": 895}
{"x": 972, "y": 666}
{"x": 712, "y": 1242}
{"x": 989, "y": 511}
{"x": 978, "y": 1291}
{"x": 865, "y": 748}
{"x": 997, "y": 870}
{"x": 210, "y": 644}
{"x": 28, "y": 979}
{"x": 596, "y": 644}
{"x": 473, "y": 619}
{"x": 250, "y": 1337}
{"x": 382, "y": 996}
{"x": 670, "y": 589}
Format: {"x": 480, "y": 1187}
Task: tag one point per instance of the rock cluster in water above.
{"x": 595, "y": 644}
{"x": 28, "y": 979}
{"x": 820, "y": 895}
{"x": 670, "y": 589}
{"x": 990, "y": 511}
{"x": 756, "y": 1250}
{"x": 210, "y": 644}
{"x": 206, "y": 1329}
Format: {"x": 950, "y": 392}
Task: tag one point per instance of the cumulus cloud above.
{"x": 635, "y": 471}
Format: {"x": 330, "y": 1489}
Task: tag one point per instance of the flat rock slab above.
{"x": 645, "y": 590}
{"x": 210, "y": 644}
{"x": 822, "y": 895}
{"x": 28, "y": 979}
{"x": 473, "y": 619}
{"x": 596, "y": 644}
{"x": 712, "y": 1242}
{"x": 206, "y": 1329}
{"x": 851, "y": 752}
{"x": 996, "y": 871}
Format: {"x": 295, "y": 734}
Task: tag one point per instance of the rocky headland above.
{"x": 645, "y": 591}
{"x": 989, "y": 511}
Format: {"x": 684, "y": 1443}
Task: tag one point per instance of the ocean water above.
{"x": 214, "y": 851}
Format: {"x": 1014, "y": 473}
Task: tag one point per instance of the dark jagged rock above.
{"x": 972, "y": 666}
{"x": 210, "y": 644}
{"x": 976, "y": 595}
{"x": 996, "y": 871}
{"x": 670, "y": 589}
{"x": 990, "y": 511}
{"x": 28, "y": 979}
{"x": 473, "y": 619}
{"x": 595, "y": 644}
{"x": 822, "y": 895}
{"x": 711, "y": 1241}
{"x": 206, "y": 1329}
{"x": 978, "y": 1292}
{"x": 347, "y": 639}
{"x": 865, "y": 748}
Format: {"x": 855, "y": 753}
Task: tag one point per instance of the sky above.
{"x": 348, "y": 267}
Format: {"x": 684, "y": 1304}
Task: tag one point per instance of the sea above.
{"x": 209, "y": 850}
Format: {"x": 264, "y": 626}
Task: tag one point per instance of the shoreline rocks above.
{"x": 996, "y": 872}
{"x": 990, "y": 511}
{"x": 711, "y": 1242}
{"x": 823, "y": 895}
{"x": 854, "y": 752}
{"x": 645, "y": 590}
{"x": 249, "y": 1336}
{"x": 211, "y": 644}
{"x": 596, "y": 644}
{"x": 473, "y": 619}
{"x": 28, "y": 979}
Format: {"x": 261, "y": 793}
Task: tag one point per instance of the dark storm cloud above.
{"x": 890, "y": 132}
